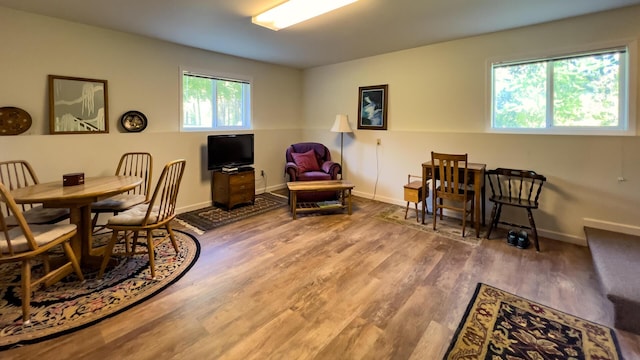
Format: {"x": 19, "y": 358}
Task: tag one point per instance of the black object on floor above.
{"x": 512, "y": 237}
{"x": 523, "y": 240}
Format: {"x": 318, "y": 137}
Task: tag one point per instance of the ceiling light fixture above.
{"x": 295, "y": 11}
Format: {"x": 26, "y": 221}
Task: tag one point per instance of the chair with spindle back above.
{"x": 147, "y": 217}
{"x": 518, "y": 188}
{"x": 24, "y": 242}
{"x": 16, "y": 174}
{"x": 131, "y": 164}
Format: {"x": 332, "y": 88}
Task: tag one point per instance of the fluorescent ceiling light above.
{"x": 295, "y": 11}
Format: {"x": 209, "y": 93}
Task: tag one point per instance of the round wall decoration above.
{"x": 133, "y": 121}
{"x": 14, "y": 121}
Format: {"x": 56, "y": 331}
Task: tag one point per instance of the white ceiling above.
{"x": 364, "y": 28}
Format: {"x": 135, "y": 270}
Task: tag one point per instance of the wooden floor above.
{"x": 332, "y": 287}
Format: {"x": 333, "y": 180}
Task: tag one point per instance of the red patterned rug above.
{"x": 70, "y": 305}
{"x": 500, "y": 325}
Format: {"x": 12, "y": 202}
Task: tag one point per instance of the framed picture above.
{"x": 77, "y": 105}
{"x": 372, "y": 107}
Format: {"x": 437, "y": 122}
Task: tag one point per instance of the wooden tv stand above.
{"x": 229, "y": 189}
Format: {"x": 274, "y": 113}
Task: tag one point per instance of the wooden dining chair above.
{"x": 25, "y": 242}
{"x": 15, "y": 174}
{"x": 138, "y": 164}
{"x": 451, "y": 173}
{"x": 517, "y": 188}
{"x": 147, "y": 217}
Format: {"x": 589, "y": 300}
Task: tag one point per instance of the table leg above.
{"x": 294, "y": 203}
{"x": 476, "y": 188}
{"x": 349, "y": 201}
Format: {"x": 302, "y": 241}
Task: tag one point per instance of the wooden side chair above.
{"x": 450, "y": 181}
{"x": 25, "y": 242}
{"x": 16, "y": 174}
{"x": 518, "y": 188}
{"x": 147, "y": 217}
{"x": 131, "y": 164}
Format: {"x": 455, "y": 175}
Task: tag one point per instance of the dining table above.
{"x": 78, "y": 199}
{"x": 477, "y": 177}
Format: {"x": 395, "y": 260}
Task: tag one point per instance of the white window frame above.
{"x": 247, "y": 99}
{"x": 628, "y": 93}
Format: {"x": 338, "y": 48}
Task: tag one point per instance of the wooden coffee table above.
{"x": 324, "y": 185}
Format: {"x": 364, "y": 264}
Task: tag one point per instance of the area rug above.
{"x": 69, "y": 305}
{"x": 212, "y": 217}
{"x": 448, "y": 227}
{"x": 500, "y": 325}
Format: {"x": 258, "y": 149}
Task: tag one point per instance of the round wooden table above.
{"x": 78, "y": 199}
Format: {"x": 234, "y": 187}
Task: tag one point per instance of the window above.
{"x": 579, "y": 93}
{"x": 214, "y": 102}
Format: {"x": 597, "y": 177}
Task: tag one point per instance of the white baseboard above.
{"x": 611, "y": 226}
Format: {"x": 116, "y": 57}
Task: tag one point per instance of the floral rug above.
{"x": 209, "y": 218}
{"x": 500, "y": 325}
{"x": 448, "y": 227}
{"x": 69, "y": 305}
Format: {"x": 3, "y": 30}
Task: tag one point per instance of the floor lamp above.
{"x": 341, "y": 125}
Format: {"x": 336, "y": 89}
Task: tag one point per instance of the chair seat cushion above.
{"x": 134, "y": 216}
{"x": 514, "y": 202}
{"x": 306, "y": 161}
{"x": 40, "y": 215}
{"x": 119, "y": 202}
{"x": 43, "y": 234}
{"x": 313, "y": 176}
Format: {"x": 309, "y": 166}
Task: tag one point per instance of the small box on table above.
{"x": 72, "y": 179}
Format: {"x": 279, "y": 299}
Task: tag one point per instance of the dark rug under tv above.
{"x": 211, "y": 217}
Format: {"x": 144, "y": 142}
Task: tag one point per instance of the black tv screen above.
{"x": 229, "y": 151}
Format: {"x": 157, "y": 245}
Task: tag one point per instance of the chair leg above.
{"x": 435, "y": 213}
{"x": 173, "y": 238}
{"x": 533, "y": 229}
{"x": 150, "y": 248}
{"x": 107, "y": 253}
{"x": 493, "y": 220}
{"x": 72, "y": 258}
{"x": 26, "y": 292}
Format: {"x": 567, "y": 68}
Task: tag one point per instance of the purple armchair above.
{"x": 311, "y": 161}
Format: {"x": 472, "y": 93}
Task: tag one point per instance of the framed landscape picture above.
{"x": 372, "y": 107}
{"x": 77, "y": 105}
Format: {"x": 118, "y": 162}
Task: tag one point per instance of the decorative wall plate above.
{"x": 14, "y": 121}
{"x": 133, "y": 121}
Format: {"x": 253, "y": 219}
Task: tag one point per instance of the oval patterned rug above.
{"x": 69, "y": 305}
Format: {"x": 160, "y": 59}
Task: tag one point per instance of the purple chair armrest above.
{"x": 292, "y": 170}
{"x": 332, "y": 168}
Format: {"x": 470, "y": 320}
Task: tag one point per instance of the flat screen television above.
{"x": 229, "y": 151}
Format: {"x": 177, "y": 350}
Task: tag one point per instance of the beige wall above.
{"x": 142, "y": 74}
{"x": 438, "y": 100}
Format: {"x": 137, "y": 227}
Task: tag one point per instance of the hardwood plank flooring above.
{"x": 332, "y": 286}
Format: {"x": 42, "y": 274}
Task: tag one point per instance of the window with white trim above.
{"x": 577, "y": 93}
{"x": 212, "y": 102}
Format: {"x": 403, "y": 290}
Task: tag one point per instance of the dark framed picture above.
{"x": 372, "y": 107}
{"x": 77, "y": 105}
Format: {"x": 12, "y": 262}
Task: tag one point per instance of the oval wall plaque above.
{"x": 14, "y": 121}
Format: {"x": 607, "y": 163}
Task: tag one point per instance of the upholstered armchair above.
{"x": 310, "y": 161}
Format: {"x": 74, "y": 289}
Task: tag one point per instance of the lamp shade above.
{"x": 341, "y": 125}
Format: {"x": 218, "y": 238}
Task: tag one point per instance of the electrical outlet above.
{"x": 262, "y": 173}
{"x": 621, "y": 179}
{"x": 378, "y": 141}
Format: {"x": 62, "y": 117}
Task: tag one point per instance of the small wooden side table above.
{"x": 413, "y": 193}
